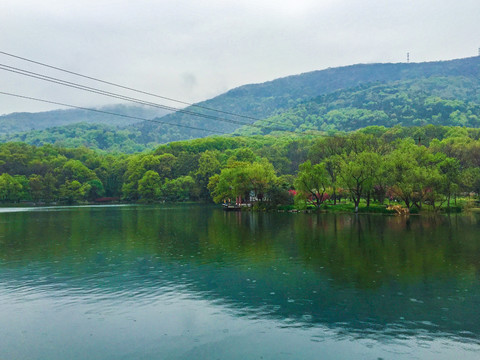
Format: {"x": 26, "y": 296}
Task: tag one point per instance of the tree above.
{"x": 243, "y": 155}
{"x": 413, "y": 173}
{"x": 36, "y": 187}
{"x": 179, "y": 189}
{"x": 10, "y": 188}
{"x": 149, "y": 186}
{"x": 240, "y": 178}
{"x": 470, "y": 180}
{"x": 73, "y": 191}
{"x": 96, "y": 190}
{"x": 449, "y": 170}
{"x": 358, "y": 174}
{"x": 261, "y": 176}
{"x": 166, "y": 163}
{"x": 313, "y": 181}
{"x": 75, "y": 170}
{"x": 136, "y": 168}
{"x": 333, "y": 167}
{"x": 24, "y": 191}
{"x": 326, "y": 147}
{"x": 50, "y": 190}
{"x": 231, "y": 183}
{"x": 208, "y": 165}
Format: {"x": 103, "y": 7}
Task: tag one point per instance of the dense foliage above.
{"x": 375, "y": 163}
{"x": 452, "y": 101}
{"x": 22, "y": 122}
{"x": 93, "y": 136}
{"x": 344, "y": 99}
{"x": 259, "y": 101}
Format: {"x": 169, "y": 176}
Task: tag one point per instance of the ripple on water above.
{"x": 141, "y": 277}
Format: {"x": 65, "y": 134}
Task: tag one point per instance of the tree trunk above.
{"x": 356, "y": 201}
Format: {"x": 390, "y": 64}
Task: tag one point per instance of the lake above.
{"x": 195, "y": 282}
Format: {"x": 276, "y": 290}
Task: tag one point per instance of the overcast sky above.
{"x": 194, "y": 50}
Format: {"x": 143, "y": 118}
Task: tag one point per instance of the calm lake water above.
{"x": 194, "y": 282}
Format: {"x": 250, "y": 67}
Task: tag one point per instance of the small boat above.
{"x": 231, "y": 207}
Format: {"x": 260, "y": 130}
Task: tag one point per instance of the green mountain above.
{"x": 259, "y": 101}
{"x": 19, "y": 122}
{"x": 448, "y": 101}
{"x": 344, "y": 98}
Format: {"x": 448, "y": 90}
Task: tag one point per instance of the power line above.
{"x": 139, "y": 91}
{"x": 139, "y": 118}
{"x": 127, "y": 98}
{"x": 139, "y": 101}
{"x": 143, "y": 119}
{"x": 127, "y": 87}
{"x": 111, "y": 113}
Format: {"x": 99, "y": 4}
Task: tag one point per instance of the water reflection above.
{"x": 360, "y": 277}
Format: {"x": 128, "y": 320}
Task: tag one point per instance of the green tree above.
{"x": 75, "y": 170}
{"x": 96, "y": 189}
{"x": 36, "y": 187}
{"x": 149, "y": 186}
{"x": 260, "y": 176}
{"x": 231, "y": 183}
{"x": 179, "y": 189}
{"x": 313, "y": 181}
{"x": 413, "y": 174}
{"x": 73, "y": 191}
{"x": 470, "y": 180}
{"x": 449, "y": 170}
{"x": 358, "y": 174}
{"x": 240, "y": 178}
{"x": 50, "y": 190}
{"x": 208, "y": 165}
{"x": 10, "y": 188}
{"x": 333, "y": 168}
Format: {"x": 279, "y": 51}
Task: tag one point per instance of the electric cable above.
{"x": 111, "y": 113}
{"x": 127, "y": 98}
{"x": 127, "y": 87}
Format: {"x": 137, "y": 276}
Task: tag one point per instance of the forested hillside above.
{"x": 339, "y": 99}
{"x": 449, "y": 101}
{"x": 21, "y": 122}
{"x": 264, "y": 100}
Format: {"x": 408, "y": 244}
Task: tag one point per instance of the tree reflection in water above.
{"x": 362, "y": 275}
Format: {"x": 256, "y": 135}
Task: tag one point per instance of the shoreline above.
{"x": 373, "y": 210}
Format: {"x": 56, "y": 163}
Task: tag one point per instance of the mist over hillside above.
{"x": 344, "y": 98}
{"x": 23, "y": 121}
{"x": 260, "y": 101}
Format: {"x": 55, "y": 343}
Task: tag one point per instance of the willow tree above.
{"x": 240, "y": 178}
{"x": 313, "y": 181}
{"x": 358, "y": 174}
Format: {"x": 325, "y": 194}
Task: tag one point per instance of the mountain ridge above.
{"x": 256, "y": 102}
{"x": 265, "y": 99}
{"x": 26, "y": 121}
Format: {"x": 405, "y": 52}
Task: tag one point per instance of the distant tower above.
{"x": 408, "y": 56}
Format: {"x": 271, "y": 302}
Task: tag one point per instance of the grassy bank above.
{"x": 461, "y": 205}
